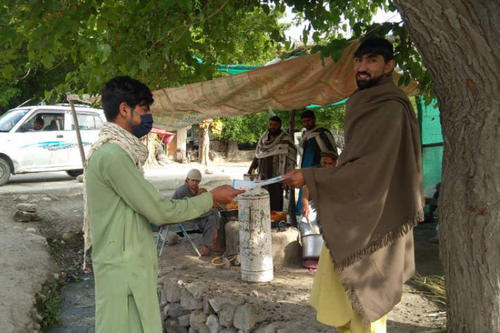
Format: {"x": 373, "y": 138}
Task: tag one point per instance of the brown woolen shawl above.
{"x": 371, "y": 201}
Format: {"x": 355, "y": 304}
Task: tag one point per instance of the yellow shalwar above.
{"x": 121, "y": 205}
{"x": 333, "y": 307}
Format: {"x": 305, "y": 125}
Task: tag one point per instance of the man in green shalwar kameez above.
{"x": 120, "y": 206}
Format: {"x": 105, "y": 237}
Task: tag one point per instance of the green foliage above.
{"x": 245, "y": 129}
{"x": 248, "y": 129}
{"x": 51, "y": 47}
{"x": 49, "y": 304}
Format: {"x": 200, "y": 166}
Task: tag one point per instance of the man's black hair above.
{"x": 307, "y": 114}
{"x": 124, "y": 89}
{"x": 376, "y": 46}
{"x": 39, "y": 120}
{"x": 275, "y": 118}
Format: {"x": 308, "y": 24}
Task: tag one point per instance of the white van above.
{"x": 43, "y": 138}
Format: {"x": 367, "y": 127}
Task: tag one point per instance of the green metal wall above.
{"x": 432, "y": 144}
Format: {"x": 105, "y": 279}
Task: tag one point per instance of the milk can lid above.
{"x": 255, "y": 193}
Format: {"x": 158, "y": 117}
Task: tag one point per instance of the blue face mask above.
{"x": 144, "y": 127}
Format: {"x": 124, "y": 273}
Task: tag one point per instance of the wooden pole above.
{"x": 77, "y": 129}
{"x": 291, "y": 195}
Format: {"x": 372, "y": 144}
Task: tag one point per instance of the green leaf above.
{"x": 105, "y": 51}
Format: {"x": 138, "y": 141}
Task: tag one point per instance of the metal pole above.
{"x": 291, "y": 197}
{"x": 78, "y": 136}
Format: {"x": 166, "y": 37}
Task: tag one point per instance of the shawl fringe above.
{"x": 387, "y": 240}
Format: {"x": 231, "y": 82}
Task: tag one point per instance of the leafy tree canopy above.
{"x": 50, "y": 47}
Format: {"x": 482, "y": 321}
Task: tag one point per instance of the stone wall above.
{"x": 189, "y": 307}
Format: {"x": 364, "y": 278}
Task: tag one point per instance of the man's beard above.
{"x": 363, "y": 84}
{"x": 274, "y": 132}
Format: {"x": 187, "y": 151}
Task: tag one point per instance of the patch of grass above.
{"x": 431, "y": 286}
{"x": 49, "y": 304}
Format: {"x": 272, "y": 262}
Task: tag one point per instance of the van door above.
{"x": 40, "y": 143}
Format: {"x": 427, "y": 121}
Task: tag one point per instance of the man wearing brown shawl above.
{"x": 275, "y": 155}
{"x": 370, "y": 202}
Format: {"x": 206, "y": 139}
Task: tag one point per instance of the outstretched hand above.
{"x": 224, "y": 193}
{"x": 294, "y": 178}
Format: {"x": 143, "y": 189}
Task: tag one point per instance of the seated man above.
{"x": 209, "y": 222}
{"x": 38, "y": 124}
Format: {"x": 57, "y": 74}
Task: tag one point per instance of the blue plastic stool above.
{"x": 161, "y": 239}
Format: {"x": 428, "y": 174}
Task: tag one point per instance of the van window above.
{"x": 9, "y": 119}
{"x": 87, "y": 122}
{"x": 43, "y": 122}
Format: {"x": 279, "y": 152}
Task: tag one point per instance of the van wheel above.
{"x": 4, "y": 171}
{"x": 74, "y": 173}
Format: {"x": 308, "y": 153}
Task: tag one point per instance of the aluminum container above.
{"x": 311, "y": 246}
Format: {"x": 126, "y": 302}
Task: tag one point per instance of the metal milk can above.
{"x": 255, "y": 236}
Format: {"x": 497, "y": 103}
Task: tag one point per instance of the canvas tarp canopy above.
{"x": 288, "y": 85}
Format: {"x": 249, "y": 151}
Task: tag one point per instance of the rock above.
{"x": 172, "y": 326}
{"x": 175, "y": 310}
{"x": 197, "y": 319}
{"x": 207, "y": 309}
{"x": 218, "y": 302}
{"x": 254, "y": 293}
{"x": 47, "y": 199}
{"x": 23, "y": 197}
{"x": 213, "y": 323}
{"x": 22, "y": 216}
{"x": 197, "y": 289}
{"x": 270, "y": 328}
{"x": 31, "y": 230}
{"x": 172, "y": 290}
{"x": 245, "y": 316}
{"x": 67, "y": 236}
{"x": 184, "y": 320}
{"x": 228, "y": 330}
{"x": 189, "y": 302}
{"x": 200, "y": 329}
{"x": 27, "y": 207}
{"x": 80, "y": 178}
{"x": 226, "y": 314}
{"x": 162, "y": 298}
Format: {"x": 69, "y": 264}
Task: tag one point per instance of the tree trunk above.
{"x": 459, "y": 43}
{"x": 151, "y": 141}
{"x": 232, "y": 150}
{"x": 181, "y": 139}
{"x": 204, "y": 146}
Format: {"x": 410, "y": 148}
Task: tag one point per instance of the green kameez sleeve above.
{"x": 123, "y": 176}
